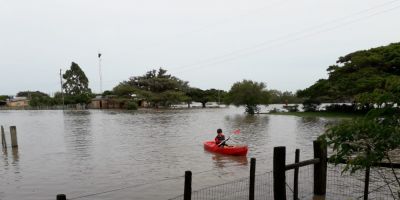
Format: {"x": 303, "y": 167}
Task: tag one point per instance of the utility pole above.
{"x": 219, "y": 102}
{"x": 101, "y": 81}
{"x": 62, "y": 93}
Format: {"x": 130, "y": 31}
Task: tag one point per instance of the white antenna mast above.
{"x": 101, "y": 79}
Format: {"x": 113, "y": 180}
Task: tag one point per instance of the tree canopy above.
{"x": 76, "y": 85}
{"x": 76, "y": 82}
{"x": 248, "y": 93}
{"x": 204, "y": 96}
{"x": 157, "y": 87}
{"x": 367, "y": 76}
{"x": 278, "y": 97}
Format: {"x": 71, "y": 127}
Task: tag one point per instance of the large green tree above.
{"x": 156, "y": 86}
{"x": 363, "y": 77}
{"x": 204, "y": 96}
{"x": 76, "y": 85}
{"x": 248, "y": 93}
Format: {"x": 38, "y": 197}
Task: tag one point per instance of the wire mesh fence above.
{"x": 305, "y": 183}
{"x": 340, "y": 185}
{"x": 344, "y": 185}
{"x": 238, "y": 189}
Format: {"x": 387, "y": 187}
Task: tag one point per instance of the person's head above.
{"x": 219, "y": 131}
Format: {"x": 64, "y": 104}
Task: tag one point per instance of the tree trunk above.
{"x": 203, "y": 104}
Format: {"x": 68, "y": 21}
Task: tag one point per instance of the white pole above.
{"x": 101, "y": 81}
{"x": 62, "y": 91}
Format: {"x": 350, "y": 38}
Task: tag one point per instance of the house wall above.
{"x": 21, "y": 103}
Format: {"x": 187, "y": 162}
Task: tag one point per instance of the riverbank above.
{"x": 318, "y": 114}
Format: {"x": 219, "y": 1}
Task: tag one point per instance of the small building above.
{"x": 17, "y": 102}
{"x": 112, "y": 102}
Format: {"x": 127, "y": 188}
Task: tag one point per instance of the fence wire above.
{"x": 382, "y": 186}
{"x": 305, "y": 183}
{"x": 344, "y": 185}
{"x": 236, "y": 190}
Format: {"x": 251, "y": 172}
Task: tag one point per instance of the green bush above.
{"x": 131, "y": 105}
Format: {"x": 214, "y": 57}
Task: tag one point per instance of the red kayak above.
{"x": 228, "y": 150}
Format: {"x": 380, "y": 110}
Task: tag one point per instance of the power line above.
{"x": 288, "y": 37}
{"x": 206, "y": 27}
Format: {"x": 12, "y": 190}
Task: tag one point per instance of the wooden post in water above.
{"x": 3, "y": 138}
{"x": 296, "y": 176}
{"x": 187, "y": 193}
{"x": 252, "y": 178}
{"x": 61, "y": 197}
{"x": 13, "y": 133}
{"x": 366, "y": 184}
{"x": 320, "y": 168}
{"x": 279, "y": 173}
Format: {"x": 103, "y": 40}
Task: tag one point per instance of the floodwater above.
{"x": 106, "y": 154}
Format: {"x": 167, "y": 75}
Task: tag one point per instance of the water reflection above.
{"x": 15, "y": 155}
{"x": 253, "y": 128}
{"x": 14, "y": 161}
{"x": 222, "y": 161}
{"x": 78, "y": 132}
{"x": 5, "y": 157}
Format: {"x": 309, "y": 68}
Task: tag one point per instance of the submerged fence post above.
{"x": 296, "y": 176}
{"x": 366, "y": 184}
{"x": 279, "y": 173}
{"x": 187, "y": 194}
{"x": 13, "y": 133}
{"x": 320, "y": 168}
{"x": 3, "y": 138}
{"x": 252, "y": 178}
{"x": 61, "y": 197}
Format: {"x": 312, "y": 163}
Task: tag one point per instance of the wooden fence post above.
{"x": 252, "y": 178}
{"x": 279, "y": 173}
{"x": 296, "y": 176}
{"x": 366, "y": 184}
{"x": 61, "y": 197}
{"x": 320, "y": 168}
{"x": 3, "y": 138}
{"x": 13, "y": 133}
{"x": 187, "y": 193}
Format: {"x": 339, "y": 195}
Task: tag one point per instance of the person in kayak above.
{"x": 220, "y": 138}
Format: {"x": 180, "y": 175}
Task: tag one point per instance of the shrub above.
{"x": 131, "y": 105}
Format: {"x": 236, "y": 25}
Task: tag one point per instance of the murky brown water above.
{"x": 140, "y": 155}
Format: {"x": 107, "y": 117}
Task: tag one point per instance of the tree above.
{"x": 277, "y": 97}
{"x": 29, "y": 94}
{"x": 362, "y": 76}
{"x": 76, "y": 85}
{"x": 366, "y": 141}
{"x": 157, "y": 87}
{"x": 124, "y": 90}
{"x": 76, "y": 82}
{"x": 204, "y": 96}
{"x": 248, "y": 93}
{"x": 4, "y": 97}
{"x": 38, "y": 98}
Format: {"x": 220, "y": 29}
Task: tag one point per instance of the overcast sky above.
{"x": 287, "y": 44}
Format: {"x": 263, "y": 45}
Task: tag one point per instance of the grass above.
{"x": 319, "y": 114}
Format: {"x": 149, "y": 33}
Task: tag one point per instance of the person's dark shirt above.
{"x": 219, "y": 139}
